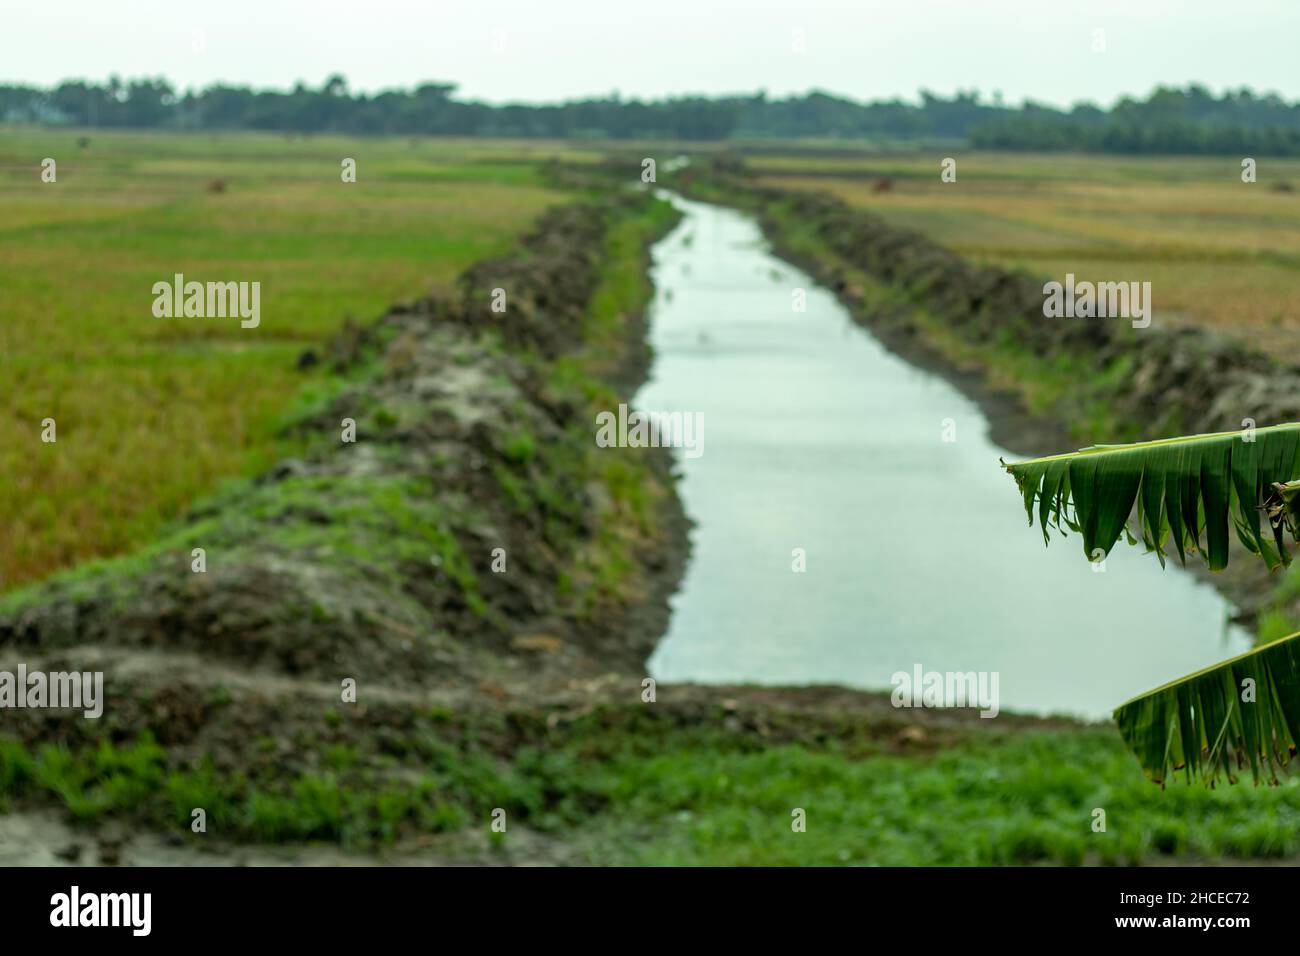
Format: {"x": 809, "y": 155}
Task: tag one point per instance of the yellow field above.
{"x": 151, "y": 412}
{"x": 1217, "y": 251}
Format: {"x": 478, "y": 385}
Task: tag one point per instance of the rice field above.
{"x": 1217, "y": 251}
{"x": 149, "y": 412}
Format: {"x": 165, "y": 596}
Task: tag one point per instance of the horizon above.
{"x": 983, "y": 97}
{"x": 864, "y": 53}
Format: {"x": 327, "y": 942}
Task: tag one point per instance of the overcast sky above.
{"x": 548, "y": 50}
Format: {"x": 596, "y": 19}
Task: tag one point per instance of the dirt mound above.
{"x": 544, "y": 286}
{"x": 454, "y": 538}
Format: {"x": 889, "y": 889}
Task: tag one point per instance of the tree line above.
{"x": 1170, "y": 120}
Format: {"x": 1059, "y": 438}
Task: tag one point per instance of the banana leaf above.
{"x": 1186, "y": 492}
{"x": 1243, "y": 712}
{"x": 1180, "y": 491}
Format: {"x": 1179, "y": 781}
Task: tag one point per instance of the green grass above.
{"x": 620, "y": 787}
{"x": 1026, "y": 801}
{"x": 151, "y": 412}
{"x": 605, "y": 567}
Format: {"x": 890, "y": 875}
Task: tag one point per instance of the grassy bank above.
{"x": 1065, "y": 381}
{"x": 674, "y": 782}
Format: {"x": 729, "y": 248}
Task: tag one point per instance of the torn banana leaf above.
{"x": 1243, "y": 712}
{"x": 1185, "y": 489}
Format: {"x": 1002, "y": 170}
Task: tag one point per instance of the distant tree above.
{"x": 1190, "y": 120}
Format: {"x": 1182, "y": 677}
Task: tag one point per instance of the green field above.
{"x": 151, "y": 413}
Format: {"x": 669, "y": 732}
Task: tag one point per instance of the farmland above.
{"x": 152, "y": 413}
{"x": 1218, "y": 252}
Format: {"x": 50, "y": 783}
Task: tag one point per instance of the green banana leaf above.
{"x": 1245, "y": 711}
{"x": 1186, "y": 491}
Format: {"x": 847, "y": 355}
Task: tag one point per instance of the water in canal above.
{"x": 916, "y": 548}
